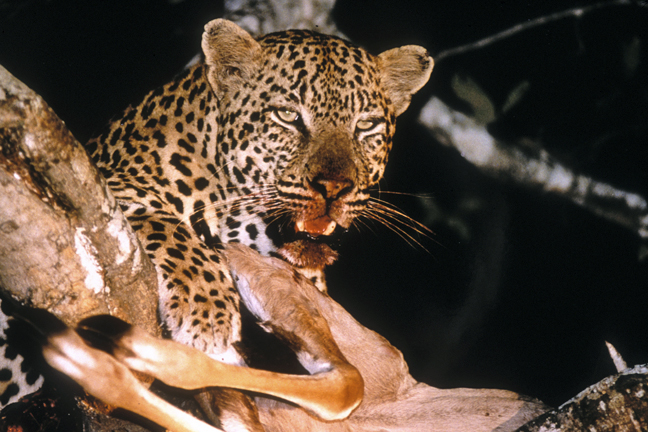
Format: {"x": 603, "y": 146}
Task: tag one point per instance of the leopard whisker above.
{"x": 222, "y": 166}
{"x": 357, "y": 221}
{"x": 276, "y": 215}
{"x": 272, "y": 209}
{"x": 409, "y": 239}
{"x": 408, "y": 194}
{"x": 390, "y": 210}
{"x": 397, "y": 221}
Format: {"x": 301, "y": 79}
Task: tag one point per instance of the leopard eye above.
{"x": 364, "y": 125}
{"x": 287, "y": 115}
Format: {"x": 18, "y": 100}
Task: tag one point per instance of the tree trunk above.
{"x": 66, "y": 246}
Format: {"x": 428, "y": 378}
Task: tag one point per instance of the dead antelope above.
{"x": 313, "y": 326}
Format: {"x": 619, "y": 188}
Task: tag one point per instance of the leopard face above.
{"x": 274, "y": 143}
{"x": 305, "y": 129}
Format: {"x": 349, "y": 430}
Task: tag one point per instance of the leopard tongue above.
{"x": 323, "y": 225}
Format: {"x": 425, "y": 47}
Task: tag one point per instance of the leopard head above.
{"x": 305, "y": 126}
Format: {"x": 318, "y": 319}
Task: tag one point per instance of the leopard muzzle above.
{"x": 315, "y": 232}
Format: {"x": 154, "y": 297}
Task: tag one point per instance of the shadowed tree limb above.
{"x": 576, "y": 12}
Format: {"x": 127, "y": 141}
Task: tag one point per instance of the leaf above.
{"x": 516, "y": 95}
{"x": 469, "y": 91}
{"x": 632, "y": 55}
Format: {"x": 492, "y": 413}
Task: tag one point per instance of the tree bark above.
{"x": 617, "y": 403}
{"x": 66, "y": 246}
{"x": 530, "y": 165}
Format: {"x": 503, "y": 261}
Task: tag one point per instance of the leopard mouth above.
{"x": 310, "y": 244}
{"x": 322, "y": 226}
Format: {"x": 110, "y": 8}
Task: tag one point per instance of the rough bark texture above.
{"x": 266, "y": 16}
{"x": 618, "y": 403}
{"x": 66, "y": 247}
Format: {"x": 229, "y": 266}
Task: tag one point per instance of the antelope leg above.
{"x": 105, "y": 378}
{"x": 279, "y": 296}
{"x": 282, "y": 300}
{"x": 330, "y": 394}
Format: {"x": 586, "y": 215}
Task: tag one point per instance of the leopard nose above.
{"x": 331, "y": 188}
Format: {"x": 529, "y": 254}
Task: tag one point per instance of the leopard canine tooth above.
{"x": 330, "y": 228}
{"x": 299, "y": 226}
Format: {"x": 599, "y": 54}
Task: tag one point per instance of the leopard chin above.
{"x": 308, "y": 254}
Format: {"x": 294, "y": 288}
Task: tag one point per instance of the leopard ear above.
{"x": 232, "y": 56}
{"x": 403, "y": 71}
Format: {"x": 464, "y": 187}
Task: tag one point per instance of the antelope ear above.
{"x": 232, "y": 56}
{"x": 403, "y": 71}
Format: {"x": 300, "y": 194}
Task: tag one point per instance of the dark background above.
{"x": 517, "y": 289}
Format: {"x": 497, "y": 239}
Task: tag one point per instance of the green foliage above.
{"x": 484, "y": 110}
{"x": 470, "y": 92}
{"x": 516, "y": 95}
{"x": 632, "y": 55}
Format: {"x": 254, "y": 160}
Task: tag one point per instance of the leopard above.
{"x": 275, "y": 142}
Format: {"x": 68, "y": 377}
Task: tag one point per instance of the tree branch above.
{"x": 569, "y": 13}
{"x": 266, "y": 16}
{"x": 615, "y": 403}
{"x": 532, "y": 166}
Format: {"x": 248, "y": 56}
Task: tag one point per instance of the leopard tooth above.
{"x": 299, "y": 226}
{"x": 330, "y": 228}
